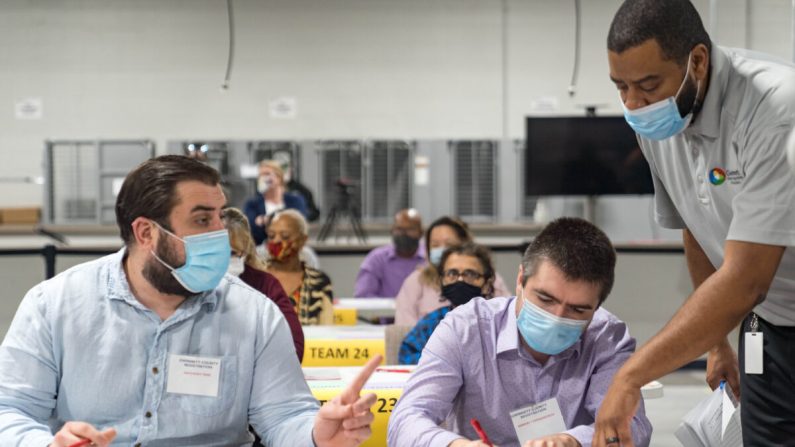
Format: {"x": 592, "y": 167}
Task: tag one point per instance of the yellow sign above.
{"x": 345, "y": 317}
{"x": 387, "y": 398}
{"x": 341, "y": 352}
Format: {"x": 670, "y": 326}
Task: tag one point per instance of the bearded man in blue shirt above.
{"x": 154, "y": 345}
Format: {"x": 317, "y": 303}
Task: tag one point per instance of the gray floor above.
{"x": 682, "y": 391}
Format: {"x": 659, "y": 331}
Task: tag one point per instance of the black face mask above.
{"x": 405, "y": 244}
{"x": 460, "y": 292}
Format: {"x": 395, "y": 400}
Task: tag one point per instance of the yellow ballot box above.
{"x": 387, "y": 383}
{"x": 345, "y": 316}
{"x": 341, "y": 351}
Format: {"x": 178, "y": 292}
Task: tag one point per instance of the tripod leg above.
{"x": 328, "y": 224}
{"x": 356, "y": 223}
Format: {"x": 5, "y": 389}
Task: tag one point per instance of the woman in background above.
{"x": 421, "y": 292}
{"x": 309, "y": 289}
{"x": 466, "y": 272}
{"x": 246, "y": 265}
{"x": 271, "y": 197}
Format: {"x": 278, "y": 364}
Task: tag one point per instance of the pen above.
{"x": 391, "y": 370}
{"x": 82, "y": 443}
{"x": 481, "y": 433}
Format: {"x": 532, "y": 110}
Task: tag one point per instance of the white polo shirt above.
{"x": 726, "y": 176}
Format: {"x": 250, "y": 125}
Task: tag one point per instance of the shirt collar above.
{"x": 119, "y": 286}
{"x": 707, "y": 122}
{"x": 508, "y": 338}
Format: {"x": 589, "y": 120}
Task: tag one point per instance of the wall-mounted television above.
{"x": 566, "y": 156}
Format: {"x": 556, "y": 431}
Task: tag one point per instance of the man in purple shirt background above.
{"x": 385, "y": 268}
{"x": 553, "y": 345}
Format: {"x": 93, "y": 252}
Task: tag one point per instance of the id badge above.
{"x": 754, "y": 352}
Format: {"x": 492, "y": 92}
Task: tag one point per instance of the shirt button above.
{"x": 148, "y": 414}
{"x": 700, "y": 178}
{"x": 155, "y": 370}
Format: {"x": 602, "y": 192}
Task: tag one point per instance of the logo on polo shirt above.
{"x": 717, "y": 176}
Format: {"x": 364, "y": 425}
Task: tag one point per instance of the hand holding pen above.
{"x": 79, "y": 434}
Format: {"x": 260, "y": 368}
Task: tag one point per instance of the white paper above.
{"x": 285, "y": 107}
{"x": 193, "y": 375}
{"x": 538, "y": 420}
{"x": 714, "y": 422}
{"x": 29, "y": 109}
{"x": 422, "y": 170}
{"x": 249, "y": 171}
{"x": 544, "y": 104}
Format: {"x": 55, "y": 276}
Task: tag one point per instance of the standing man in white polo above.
{"x": 713, "y": 124}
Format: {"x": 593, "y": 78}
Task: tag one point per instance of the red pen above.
{"x": 82, "y": 443}
{"x": 391, "y": 370}
{"x": 481, "y": 433}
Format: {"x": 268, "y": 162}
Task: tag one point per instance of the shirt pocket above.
{"x": 206, "y": 405}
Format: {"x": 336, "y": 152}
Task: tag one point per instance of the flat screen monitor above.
{"x": 583, "y": 156}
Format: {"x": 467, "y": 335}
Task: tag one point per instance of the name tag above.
{"x": 538, "y": 420}
{"x": 193, "y": 375}
{"x": 754, "y": 353}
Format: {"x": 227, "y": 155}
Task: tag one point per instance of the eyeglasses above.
{"x": 469, "y": 275}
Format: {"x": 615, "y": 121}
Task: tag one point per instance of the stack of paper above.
{"x": 714, "y": 422}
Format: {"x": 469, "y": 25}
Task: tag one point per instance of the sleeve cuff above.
{"x": 670, "y": 222}
{"x": 582, "y": 433}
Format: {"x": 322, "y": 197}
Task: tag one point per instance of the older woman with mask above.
{"x": 271, "y": 197}
{"x": 309, "y": 289}
{"x": 251, "y": 270}
{"x": 465, "y": 272}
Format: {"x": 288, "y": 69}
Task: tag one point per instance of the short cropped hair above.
{"x": 150, "y": 190}
{"x": 298, "y": 219}
{"x": 674, "y": 24}
{"x": 580, "y": 250}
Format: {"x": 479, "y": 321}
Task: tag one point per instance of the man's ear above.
{"x": 701, "y": 61}
{"x": 144, "y": 233}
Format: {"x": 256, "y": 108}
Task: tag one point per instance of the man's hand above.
{"x": 556, "y": 440}
{"x": 74, "y": 432}
{"x": 722, "y": 365}
{"x": 612, "y": 428}
{"x": 345, "y": 420}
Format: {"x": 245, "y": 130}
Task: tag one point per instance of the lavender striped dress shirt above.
{"x": 474, "y": 367}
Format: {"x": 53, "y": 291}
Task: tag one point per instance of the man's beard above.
{"x": 159, "y": 276}
{"x": 688, "y": 101}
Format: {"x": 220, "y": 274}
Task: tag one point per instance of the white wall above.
{"x": 419, "y": 69}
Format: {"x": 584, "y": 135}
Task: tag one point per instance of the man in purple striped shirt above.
{"x": 551, "y": 343}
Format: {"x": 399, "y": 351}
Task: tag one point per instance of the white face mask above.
{"x": 263, "y": 184}
{"x": 236, "y": 266}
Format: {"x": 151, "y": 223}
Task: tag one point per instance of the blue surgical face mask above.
{"x": 547, "y": 333}
{"x": 435, "y": 255}
{"x": 662, "y": 119}
{"x": 206, "y": 260}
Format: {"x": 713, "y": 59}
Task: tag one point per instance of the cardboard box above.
{"x": 27, "y": 215}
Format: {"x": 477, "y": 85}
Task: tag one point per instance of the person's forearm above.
{"x": 712, "y": 311}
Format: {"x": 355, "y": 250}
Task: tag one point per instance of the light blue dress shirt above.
{"x": 82, "y": 348}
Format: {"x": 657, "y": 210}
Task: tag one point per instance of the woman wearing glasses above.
{"x": 465, "y": 272}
